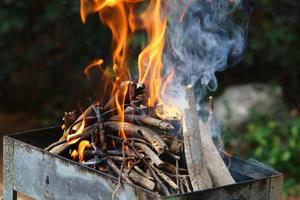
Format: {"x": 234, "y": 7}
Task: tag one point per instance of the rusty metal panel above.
{"x": 44, "y": 176}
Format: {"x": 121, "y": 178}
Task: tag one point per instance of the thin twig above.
{"x": 177, "y": 173}
{"x": 121, "y": 171}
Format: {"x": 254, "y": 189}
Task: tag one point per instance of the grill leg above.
{"x": 8, "y": 168}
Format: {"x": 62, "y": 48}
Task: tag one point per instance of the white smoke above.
{"x": 203, "y": 41}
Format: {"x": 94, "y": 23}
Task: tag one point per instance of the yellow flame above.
{"x": 81, "y": 147}
{"x": 74, "y": 154}
{"x": 150, "y": 59}
{"x": 78, "y": 132}
{"x": 120, "y": 100}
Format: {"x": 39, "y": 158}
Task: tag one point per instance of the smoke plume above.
{"x": 202, "y": 38}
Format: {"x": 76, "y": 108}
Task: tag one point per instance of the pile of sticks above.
{"x": 158, "y": 151}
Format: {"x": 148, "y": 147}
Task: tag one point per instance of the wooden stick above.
{"x": 155, "y": 159}
{"x": 151, "y": 170}
{"x": 141, "y": 180}
{"x": 187, "y": 185}
{"x": 166, "y": 178}
{"x": 139, "y": 170}
{"x": 216, "y": 167}
{"x": 65, "y": 143}
{"x": 159, "y": 181}
{"x": 146, "y": 120}
{"x": 196, "y": 165}
{"x": 172, "y": 168}
{"x": 86, "y": 133}
{"x": 100, "y": 129}
{"x": 181, "y": 186}
{"x": 177, "y": 174}
{"x": 60, "y": 148}
{"x": 158, "y": 144}
{"x": 114, "y": 167}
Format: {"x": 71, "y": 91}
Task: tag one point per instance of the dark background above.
{"x": 44, "y": 48}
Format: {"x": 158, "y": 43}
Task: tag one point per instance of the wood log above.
{"x": 196, "y": 165}
{"x": 216, "y": 167}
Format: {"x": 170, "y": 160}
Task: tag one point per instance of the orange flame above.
{"x": 74, "y": 154}
{"x": 94, "y": 63}
{"x": 78, "y": 132}
{"x": 81, "y": 147}
{"x": 123, "y": 20}
{"x": 149, "y": 61}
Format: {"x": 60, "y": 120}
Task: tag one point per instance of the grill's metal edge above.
{"x": 46, "y": 167}
{"x": 272, "y": 189}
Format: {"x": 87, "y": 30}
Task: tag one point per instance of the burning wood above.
{"x": 196, "y": 163}
{"x": 148, "y": 155}
{"x": 130, "y": 133}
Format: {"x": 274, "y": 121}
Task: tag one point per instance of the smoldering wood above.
{"x": 217, "y": 169}
{"x": 166, "y": 112}
{"x": 152, "y": 153}
{"x": 63, "y": 144}
{"x": 99, "y": 129}
{"x": 196, "y": 164}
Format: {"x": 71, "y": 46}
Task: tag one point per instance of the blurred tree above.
{"x": 44, "y": 47}
{"x": 273, "y": 48}
{"x": 272, "y": 141}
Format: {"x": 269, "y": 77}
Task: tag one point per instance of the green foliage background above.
{"x": 44, "y": 48}
{"x": 274, "y": 141}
